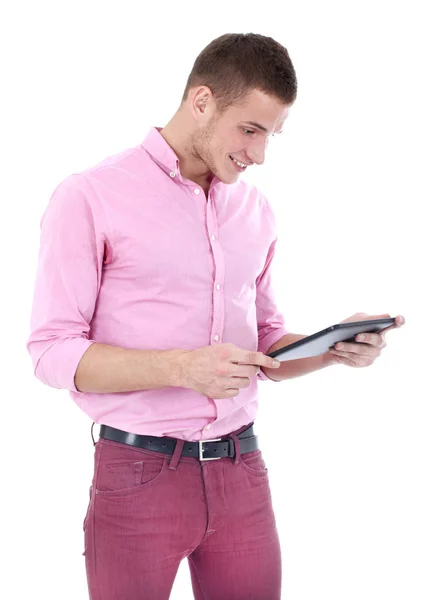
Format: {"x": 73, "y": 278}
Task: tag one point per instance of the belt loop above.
{"x": 92, "y": 435}
{"x": 176, "y": 455}
{"x": 237, "y": 451}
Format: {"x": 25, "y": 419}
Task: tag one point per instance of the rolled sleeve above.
{"x": 270, "y": 320}
{"x": 73, "y": 248}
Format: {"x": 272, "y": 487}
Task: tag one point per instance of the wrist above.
{"x": 328, "y": 359}
{"x": 177, "y": 370}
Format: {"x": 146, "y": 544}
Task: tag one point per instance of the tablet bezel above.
{"x": 386, "y": 322}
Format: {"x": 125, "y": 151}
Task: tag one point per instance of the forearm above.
{"x": 106, "y": 369}
{"x": 298, "y": 367}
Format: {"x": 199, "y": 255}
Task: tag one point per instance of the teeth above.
{"x": 238, "y": 162}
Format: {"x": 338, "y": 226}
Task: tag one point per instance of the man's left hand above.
{"x": 367, "y": 347}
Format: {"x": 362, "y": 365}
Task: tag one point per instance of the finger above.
{"x": 258, "y": 359}
{"x": 354, "y": 360}
{"x": 367, "y": 317}
{"x": 344, "y": 360}
{"x": 372, "y": 339}
{"x": 231, "y": 393}
{"x": 245, "y": 371}
{"x": 399, "y": 321}
{"x": 240, "y": 382}
{"x": 356, "y": 349}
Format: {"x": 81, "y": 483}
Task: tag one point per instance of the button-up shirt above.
{"x": 134, "y": 255}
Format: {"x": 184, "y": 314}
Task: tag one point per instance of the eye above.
{"x": 247, "y": 131}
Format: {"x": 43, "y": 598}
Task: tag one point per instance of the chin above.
{"x": 229, "y": 176}
{"x": 226, "y": 174}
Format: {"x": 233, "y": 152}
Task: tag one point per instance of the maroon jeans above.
{"x": 148, "y": 511}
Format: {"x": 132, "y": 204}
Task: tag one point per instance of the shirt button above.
{"x": 213, "y": 238}
{"x": 218, "y": 286}
{"x": 196, "y": 191}
{"x": 208, "y": 426}
{"x": 172, "y": 174}
{"x": 216, "y": 338}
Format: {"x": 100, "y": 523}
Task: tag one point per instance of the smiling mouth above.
{"x": 238, "y": 164}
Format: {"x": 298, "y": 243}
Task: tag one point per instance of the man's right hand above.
{"x": 220, "y": 371}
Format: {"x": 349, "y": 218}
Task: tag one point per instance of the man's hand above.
{"x": 368, "y": 346}
{"x": 221, "y": 370}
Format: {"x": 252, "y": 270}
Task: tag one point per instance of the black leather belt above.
{"x": 203, "y": 450}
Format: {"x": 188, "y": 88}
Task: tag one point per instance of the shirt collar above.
{"x": 162, "y": 153}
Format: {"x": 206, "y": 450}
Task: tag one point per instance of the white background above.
{"x": 85, "y": 80}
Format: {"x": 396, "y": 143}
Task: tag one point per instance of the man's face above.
{"x": 220, "y": 138}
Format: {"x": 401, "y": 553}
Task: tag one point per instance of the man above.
{"x": 154, "y": 307}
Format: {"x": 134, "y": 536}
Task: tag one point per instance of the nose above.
{"x": 256, "y": 152}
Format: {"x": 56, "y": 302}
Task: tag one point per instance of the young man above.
{"x": 154, "y": 307}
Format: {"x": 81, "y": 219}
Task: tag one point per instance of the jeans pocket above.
{"x": 124, "y": 478}
{"x": 254, "y": 464}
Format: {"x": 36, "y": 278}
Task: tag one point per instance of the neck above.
{"x": 180, "y": 138}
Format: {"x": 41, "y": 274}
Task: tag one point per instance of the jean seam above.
{"x": 199, "y": 579}
{"x": 95, "y": 481}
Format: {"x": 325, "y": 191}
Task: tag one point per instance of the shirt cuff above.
{"x": 58, "y": 365}
{"x": 269, "y": 340}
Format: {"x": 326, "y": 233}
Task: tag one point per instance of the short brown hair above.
{"x": 235, "y": 63}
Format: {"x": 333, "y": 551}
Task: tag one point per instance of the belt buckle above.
{"x": 201, "y": 449}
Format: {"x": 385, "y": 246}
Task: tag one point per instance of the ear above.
{"x": 202, "y": 105}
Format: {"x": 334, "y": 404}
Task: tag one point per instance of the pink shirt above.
{"x": 132, "y": 254}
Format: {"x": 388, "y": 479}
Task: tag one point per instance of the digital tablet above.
{"x": 320, "y": 342}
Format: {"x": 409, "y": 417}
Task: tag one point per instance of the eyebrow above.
{"x": 258, "y": 126}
